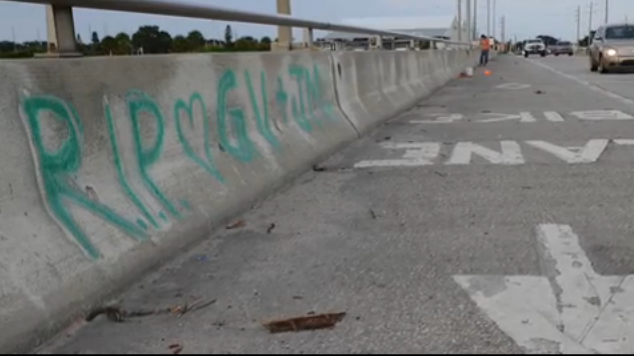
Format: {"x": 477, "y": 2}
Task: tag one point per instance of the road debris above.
{"x": 373, "y": 214}
{"x": 539, "y": 92}
{"x": 176, "y": 348}
{"x": 440, "y": 174}
{"x": 318, "y": 168}
{"x": 239, "y": 224}
{"x": 304, "y": 323}
{"x": 118, "y": 314}
{"x": 270, "y": 229}
{"x": 196, "y": 305}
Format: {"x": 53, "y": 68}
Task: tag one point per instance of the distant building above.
{"x": 445, "y": 27}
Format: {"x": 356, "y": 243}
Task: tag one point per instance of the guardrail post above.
{"x": 379, "y": 42}
{"x": 308, "y": 38}
{"x": 60, "y": 32}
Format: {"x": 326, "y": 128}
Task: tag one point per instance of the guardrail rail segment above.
{"x": 65, "y": 29}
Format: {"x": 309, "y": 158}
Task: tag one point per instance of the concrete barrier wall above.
{"x": 112, "y": 164}
{"x": 374, "y": 86}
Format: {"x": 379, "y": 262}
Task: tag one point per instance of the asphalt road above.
{"x": 481, "y": 221}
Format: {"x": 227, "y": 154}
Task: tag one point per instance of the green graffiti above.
{"x": 316, "y": 93}
{"x": 314, "y": 97}
{"x": 139, "y": 102}
{"x": 181, "y": 105}
{"x": 123, "y": 181}
{"x": 263, "y": 124}
{"x": 281, "y": 98}
{"x": 299, "y": 115}
{"x": 56, "y": 169}
{"x": 245, "y": 151}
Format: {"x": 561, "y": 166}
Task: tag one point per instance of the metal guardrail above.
{"x": 64, "y": 25}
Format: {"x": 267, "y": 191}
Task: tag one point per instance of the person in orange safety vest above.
{"x": 485, "y": 46}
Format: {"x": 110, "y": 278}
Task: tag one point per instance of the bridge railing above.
{"x": 63, "y": 21}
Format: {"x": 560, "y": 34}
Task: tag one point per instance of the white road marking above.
{"x": 589, "y": 85}
{"x": 602, "y": 115}
{"x": 574, "y": 155}
{"x": 440, "y": 119}
{"x": 570, "y": 310}
{"x": 523, "y": 117}
{"x": 623, "y": 141}
{"x": 511, "y": 153}
{"x": 553, "y": 116}
{"x": 416, "y": 154}
{"x": 427, "y": 153}
{"x": 513, "y": 86}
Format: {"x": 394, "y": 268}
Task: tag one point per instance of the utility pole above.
{"x": 475, "y": 19}
{"x": 15, "y": 44}
{"x": 495, "y": 19}
{"x": 607, "y": 11}
{"x": 488, "y": 17}
{"x": 469, "y": 33}
{"x": 590, "y": 18}
{"x": 459, "y": 20}
{"x": 578, "y": 24}
{"x": 503, "y": 29}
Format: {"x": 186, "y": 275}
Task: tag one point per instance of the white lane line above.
{"x": 586, "y": 84}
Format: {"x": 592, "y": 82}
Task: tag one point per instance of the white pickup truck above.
{"x": 534, "y": 47}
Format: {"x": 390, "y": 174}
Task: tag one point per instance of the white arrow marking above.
{"x": 571, "y": 310}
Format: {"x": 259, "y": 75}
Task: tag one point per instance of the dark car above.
{"x": 562, "y": 48}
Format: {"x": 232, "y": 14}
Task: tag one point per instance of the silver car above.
{"x": 562, "y": 48}
{"x": 612, "y": 48}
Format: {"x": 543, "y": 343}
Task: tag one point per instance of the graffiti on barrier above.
{"x": 58, "y": 169}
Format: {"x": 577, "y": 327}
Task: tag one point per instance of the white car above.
{"x": 534, "y": 47}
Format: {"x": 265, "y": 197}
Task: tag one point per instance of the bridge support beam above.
{"x": 284, "y": 33}
{"x": 60, "y": 28}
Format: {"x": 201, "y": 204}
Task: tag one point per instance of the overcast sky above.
{"x": 524, "y": 18}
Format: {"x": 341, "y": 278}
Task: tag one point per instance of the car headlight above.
{"x": 610, "y": 52}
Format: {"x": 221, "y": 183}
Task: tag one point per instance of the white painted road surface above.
{"x": 495, "y": 217}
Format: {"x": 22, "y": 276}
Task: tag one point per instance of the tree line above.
{"x": 146, "y": 40}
